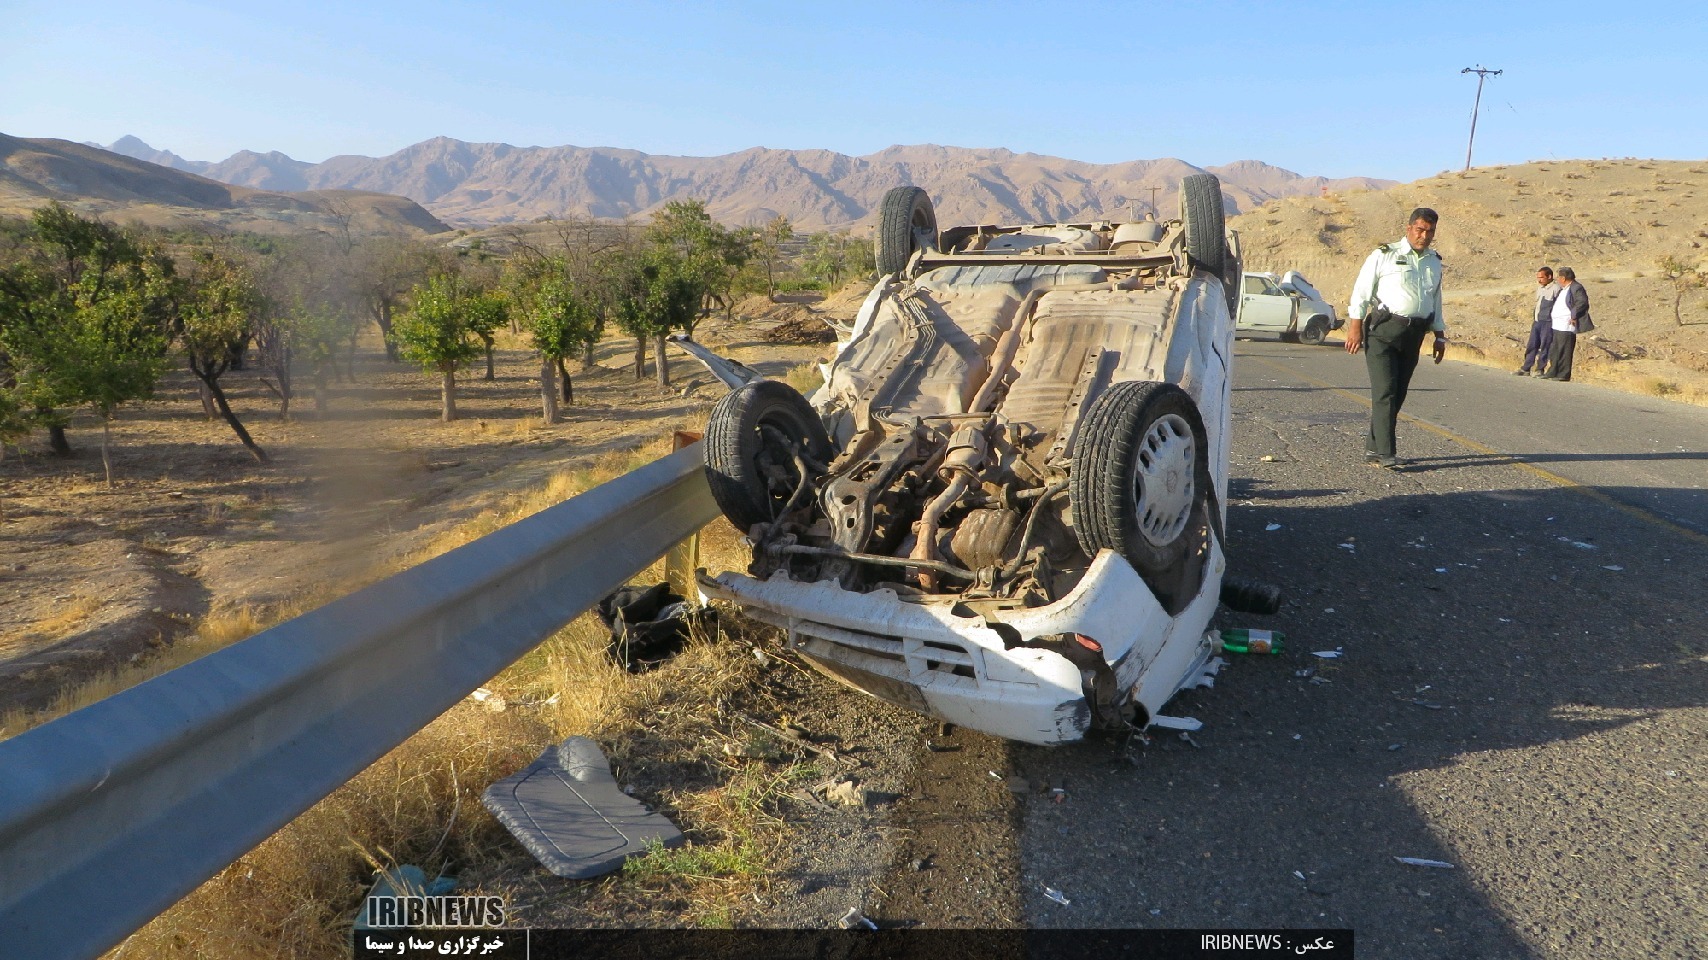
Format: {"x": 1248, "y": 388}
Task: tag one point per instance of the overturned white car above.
{"x": 1004, "y": 508}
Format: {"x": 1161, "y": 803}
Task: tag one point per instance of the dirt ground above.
{"x": 193, "y": 527}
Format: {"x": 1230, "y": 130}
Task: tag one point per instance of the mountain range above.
{"x": 95, "y": 181}
{"x": 481, "y": 184}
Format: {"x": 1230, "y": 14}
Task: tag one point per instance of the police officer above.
{"x": 1396, "y": 304}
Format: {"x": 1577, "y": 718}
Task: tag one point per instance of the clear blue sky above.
{"x": 1337, "y": 89}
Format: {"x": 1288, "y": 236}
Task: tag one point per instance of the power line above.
{"x": 1482, "y": 74}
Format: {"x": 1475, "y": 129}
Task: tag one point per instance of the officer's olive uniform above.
{"x": 1408, "y": 283}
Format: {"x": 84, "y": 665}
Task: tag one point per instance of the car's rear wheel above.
{"x": 906, "y": 222}
{"x": 752, "y": 439}
{"x": 1316, "y": 330}
{"x": 1206, "y": 225}
{"x": 1140, "y": 482}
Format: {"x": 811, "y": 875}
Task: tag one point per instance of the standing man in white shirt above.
{"x": 1396, "y": 303}
{"x": 1571, "y": 317}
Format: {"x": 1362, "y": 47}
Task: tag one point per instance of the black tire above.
{"x": 751, "y": 470}
{"x": 906, "y": 222}
{"x": 1140, "y": 482}
{"x": 1316, "y": 330}
{"x": 1206, "y": 225}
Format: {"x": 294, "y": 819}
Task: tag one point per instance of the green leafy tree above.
{"x": 487, "y": 312}
{"x": 561, "y": 316}
{"x": 438, "y": 334}
{"x": 86, "y": 320}
{"x": 216, "y": 318}
{"x": 767, "y": 248}
{"x": 834, "y": 257}
{"x": 308, "y": 316}
{"x": 703, "y": 252}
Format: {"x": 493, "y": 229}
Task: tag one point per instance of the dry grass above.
{"x": 75, "y": 610}
{"x": 294, "y": 895}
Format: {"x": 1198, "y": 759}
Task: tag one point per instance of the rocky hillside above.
{"x": 97, "y": 181}
{"x": 475, "y": 184}
{"x": 1612, "y": 221}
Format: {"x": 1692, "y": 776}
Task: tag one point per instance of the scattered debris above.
{"x": 1327, "y": 654}
{"x": 1057, "y": 896}
{"x": 1616, "y": 568}
{"x": 809, "y": 328}
{"x": 1425, "y": 704}
{"x": 1348, "y": 546}
{"x": 1269, "y": 458}
{"x": 1187, "y": 724}
{"x": 847, "y": 793}
{"x": 1272, "y": 527}
{"x": 492, "y": 701}
{"x": 568, "y": 811}
{"x": 1576, "y": 543}
{"x": 1306, "y": 672}
{"x": 936, "y": 747}
{"x": 806, "y": 797}
{"x": 1298, "y": 874}
{"x": 1321, "y": 680}
{"x": 648, "y": 625}
{"x": 855, "y": 920}
{"x": 1420, "y": 862}
{"x": 1250, "y": 596}
{"x": 1440, "y": 569}
{"x": 407, "y": 880}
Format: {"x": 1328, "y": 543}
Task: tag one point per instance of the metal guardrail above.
{"x": 111, "y": 814}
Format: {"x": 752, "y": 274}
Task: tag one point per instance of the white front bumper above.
{"x": 925, "y": 657}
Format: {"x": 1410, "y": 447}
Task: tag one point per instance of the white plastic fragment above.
{"x": 1057, "y": 896}
{"x": 1296, "y": 873}
{"x": 1440, "y": 569}
{"x": 1272, "y": 527}
{"x": 1348, "y": 546}
{"x": 1326, "y": 654}
{"x": 1616, "y": 568}
{"x": 1188, "y": 724}
{"x": 854, "y": 919}
{"x": 1420, "y": 862}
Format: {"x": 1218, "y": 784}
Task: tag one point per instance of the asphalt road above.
{"x": 1522, "y": 690}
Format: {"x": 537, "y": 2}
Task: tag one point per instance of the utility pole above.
{"x": 1482, "y": 74}
{"x": 1153, "y": 202}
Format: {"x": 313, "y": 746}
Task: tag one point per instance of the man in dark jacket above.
{"x": 1570, "y": 317}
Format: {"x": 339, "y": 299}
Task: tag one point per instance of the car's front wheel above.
{"x": 1316, "y": 330}
{"x": 906, "y": 222}
{"x": 1140, "y": 483}
{"x": 757, "y": 440}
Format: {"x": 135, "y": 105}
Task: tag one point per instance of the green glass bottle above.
{"x": 1242, "y": 640}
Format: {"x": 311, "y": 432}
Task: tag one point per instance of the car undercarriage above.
{"x": 1004, "y": 507}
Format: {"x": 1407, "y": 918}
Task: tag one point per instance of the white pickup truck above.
{"x": 1286, "y": 306}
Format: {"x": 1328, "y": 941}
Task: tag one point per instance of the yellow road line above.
{"x": 1548, "y": 475}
